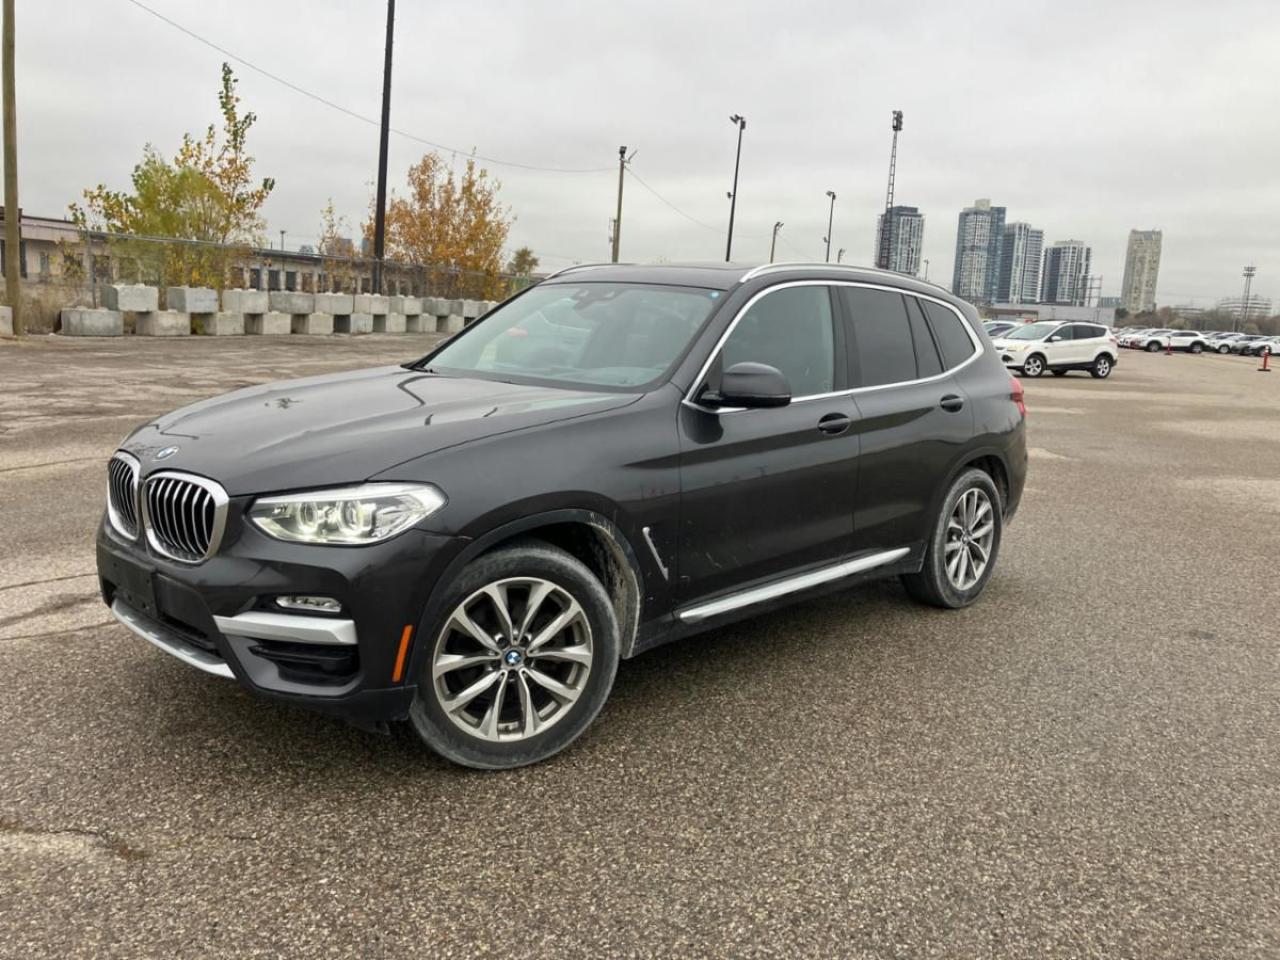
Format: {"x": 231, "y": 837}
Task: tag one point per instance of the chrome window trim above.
{"x": 220, "y": 501}
{"x": 700, "y": 380}
{"x": 117, "y": 522}
{"x": 771, "y": 591}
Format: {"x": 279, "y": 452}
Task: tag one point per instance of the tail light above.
{"x": 1016, "y": 394}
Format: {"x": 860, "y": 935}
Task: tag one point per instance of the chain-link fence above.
{"x": 72, "y": 270}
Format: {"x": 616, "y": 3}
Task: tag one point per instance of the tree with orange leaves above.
{"x": 454, "y": 225}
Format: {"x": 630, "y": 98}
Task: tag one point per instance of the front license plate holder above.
{"x": 135, "y": 584}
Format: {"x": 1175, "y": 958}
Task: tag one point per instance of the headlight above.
{"x": 350, "y": 516}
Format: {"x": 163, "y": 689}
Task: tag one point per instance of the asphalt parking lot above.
{"x": 1084, "y": 764}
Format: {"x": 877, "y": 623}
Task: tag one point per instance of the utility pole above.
{"x": 12, "y": 212}
{"x": 741, "y": 122}
{"x": 1249, "y": 271}
{"x": 380, "y": 214}
{"x": 623, "y": 160}
{"x": 831, "y": 216}
{"x": 886, "y": 231}
{"x": 282, "y": 240}
{"x": 773, "y": 244}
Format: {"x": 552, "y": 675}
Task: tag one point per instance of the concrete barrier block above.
{"x": 451, "y": 324}
{"x": 379, "y": 305}
{"x": 6, "y": 321}
{"x": 314, "y": 324}
{"x": 291, "y": 302}
{"x": 431, "y": 306}
{"x": 192, "y": 299}
{"x": 270, "y": 324}
{"x": 222, "y": 324}
{"x": 92, "y": 323}
{"x": 354, "y": 323}
{"x": 411, "y": 307}
{"x": 163, "y": 323}
{"x": 471, "y": 309}
{"x": 389, "y": 323}
{"x": 131, "y": 298}
{"x": 422, "y": 323}
{"x": 245, "y": 301}
{"x": 337, "y": 304}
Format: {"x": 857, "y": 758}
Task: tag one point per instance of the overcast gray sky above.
{"x": 1085, "y": 119}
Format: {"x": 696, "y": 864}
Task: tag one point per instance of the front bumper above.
{"x": 220, "y": 616}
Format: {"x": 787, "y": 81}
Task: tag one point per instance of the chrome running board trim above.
{"x": 170, "y": 643}
{"x": 804, "y": 581}
{"x": 263, "y": 625}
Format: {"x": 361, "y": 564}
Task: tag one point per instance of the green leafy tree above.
{"x": 522, "y": 263}
{"x": 207, "y": 194}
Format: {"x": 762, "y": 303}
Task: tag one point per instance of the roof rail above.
{"x": 819, "y": 265}
{"x": 579, "y": 266}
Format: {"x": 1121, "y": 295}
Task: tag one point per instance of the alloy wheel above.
{"x": 512, "y": 659}
{"x": 970, "y": 532}
{"x": 1103, "y": 366}
{"x": 1033, "y": 367}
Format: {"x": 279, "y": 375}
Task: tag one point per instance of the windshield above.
{"x": 1032, "y": 331}
{"x": 586, "y": 334}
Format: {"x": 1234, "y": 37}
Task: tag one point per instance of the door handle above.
{"x": 951, "y": 403}
{"x": 834, "y": 423}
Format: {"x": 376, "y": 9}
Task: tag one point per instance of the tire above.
{"x": 1197, "y": 348}
{"x": 1224, "y": 349}
{"x": 934, "y": 584}
{"x": 1058, "y": 373}
{"x": 1033, "y": 366}
{"x": 1102, "y": 367}
{"x": 476, "y": 735}
{"x": 1153, "y": 347}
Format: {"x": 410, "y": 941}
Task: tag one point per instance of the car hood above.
{"x": 347, "y": 427}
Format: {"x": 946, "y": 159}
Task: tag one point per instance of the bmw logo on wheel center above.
{"x": 513, "y": 658}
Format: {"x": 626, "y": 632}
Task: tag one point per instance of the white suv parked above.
{"x": 1058, "y": 347}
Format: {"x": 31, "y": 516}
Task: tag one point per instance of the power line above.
{"x": 689, "y": 217}
{"x": 351, "y": 113}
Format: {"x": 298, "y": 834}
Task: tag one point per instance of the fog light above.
{"x": 314, "y": 604}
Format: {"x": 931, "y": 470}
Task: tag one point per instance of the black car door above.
{"x": 769, "y": 491}
{"x": 914, "y": 417}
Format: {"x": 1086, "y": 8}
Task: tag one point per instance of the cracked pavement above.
{"x": 1084, "y": 764}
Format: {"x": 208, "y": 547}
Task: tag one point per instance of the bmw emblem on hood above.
{"x": 166, "y": 453}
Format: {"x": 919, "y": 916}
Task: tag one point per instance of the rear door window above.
{"x": 882, "y": 349}
{"x": 950, "y": 332}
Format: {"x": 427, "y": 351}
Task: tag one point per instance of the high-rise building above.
{"x": 1020, "y": 257}
{"x": 1141, "y": 266}
{"x": 906, "y": 236}
{"x": 1066, "y": 267}
{"x": 979, "y": 241}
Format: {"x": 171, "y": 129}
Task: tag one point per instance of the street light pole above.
{"x": 926, "y": 269}
{"x": 773, "y": 244}
{"x": 831, "y": 216}
{"x": 380, "y": 213}
{"x": 12, "y": 213}
{"x": 741, "y": 122}
{"x": 840, "y": 255}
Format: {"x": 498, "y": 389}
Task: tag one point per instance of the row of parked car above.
{"x": 1156, "y": 339}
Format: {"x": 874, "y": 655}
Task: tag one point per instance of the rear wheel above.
{"x": 1101, "y": 367}
{"x": 522, "y": 661}
{"x": 1153, "y": 347}
{"x": 1224, "y": 349}
{"x": 1197, "y": 348}
{"x": 962, "y": 550}
{"x": 1033, "y": 366}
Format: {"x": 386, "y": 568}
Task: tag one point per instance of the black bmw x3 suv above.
{"x": 618, "y": 457}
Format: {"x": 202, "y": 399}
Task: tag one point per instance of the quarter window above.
{"x": 789, "y": 329}
{"x": 928, "y": 362}
{"x": 950, "y": 332}
{"x": 885, "y": 352}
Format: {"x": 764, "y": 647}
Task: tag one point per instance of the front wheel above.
{"x": 1101, "y": 368}
{"x": 521, "y": 661}
{"x": 1033, "y": 366}
{"x": 962, "y": 550}
{"x": 1197, "y": 348}
{"x": 1153, "y": 347}
{"x": 1224, "y": 349}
